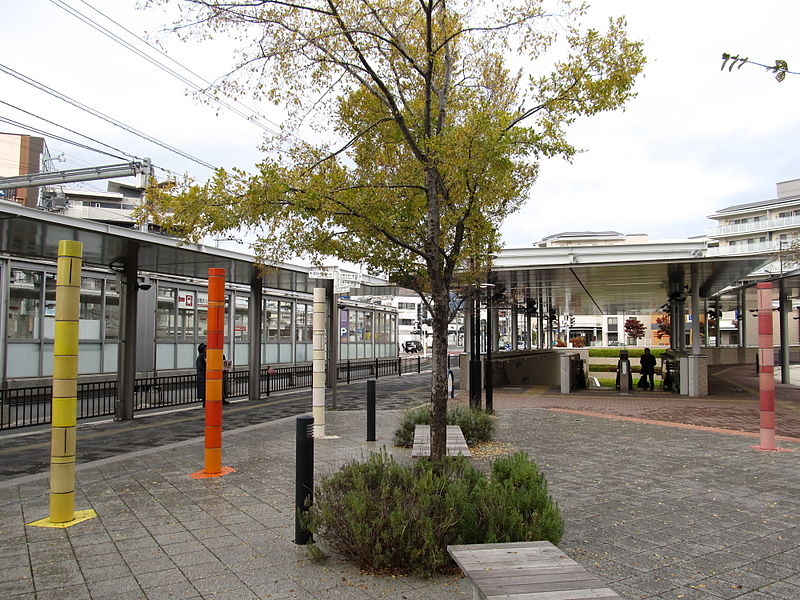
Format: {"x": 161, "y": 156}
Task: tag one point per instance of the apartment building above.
{"x": 763, "y": 226}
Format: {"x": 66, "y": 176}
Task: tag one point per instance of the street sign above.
{"x": 354, "y": 277}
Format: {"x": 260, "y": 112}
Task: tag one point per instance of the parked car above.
{"x": 412, "y": 346}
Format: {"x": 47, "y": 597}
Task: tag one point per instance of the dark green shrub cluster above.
{"x": 476, "y": 425}
{"x": 386, "y": 517}
{"x": 632, "y": 352}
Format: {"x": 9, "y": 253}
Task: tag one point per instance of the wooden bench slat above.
{"x": 527, "y": 571}
{"x": 598, "y": 594}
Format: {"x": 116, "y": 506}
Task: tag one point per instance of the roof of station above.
{"x": 619, "y": 278}
{"x": 34, "y": 234}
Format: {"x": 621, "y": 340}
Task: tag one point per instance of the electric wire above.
{"x": 100, "y": 115}
{"x": 49, "y": 122}
{"x": 160, "y": 65}
{"x": 57, "y": 137}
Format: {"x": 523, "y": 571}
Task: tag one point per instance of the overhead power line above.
{"x": 254, "y": 118}
{"x": 100, "y": 115}
{"x": 22, "y": 110}
{"x": 56, "y": 137}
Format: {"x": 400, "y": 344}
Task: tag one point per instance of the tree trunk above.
{"x": 440, "y": 300}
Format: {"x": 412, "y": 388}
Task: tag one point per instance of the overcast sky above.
{"x": 694, "y": 140}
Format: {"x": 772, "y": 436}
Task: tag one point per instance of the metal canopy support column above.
{"x": 514, "y": 325}
{"x": 717, "y": 320}
{"x": 126, "y": 354}
{"x": 695, "y": 311}
{"x": 333, "y": 340}
{"x": 255, "y": 317}
{"x": 784, "y": 332}
{"x": 743, "y": 314}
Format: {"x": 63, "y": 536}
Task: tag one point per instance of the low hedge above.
{"x": 632, "y": 352}
{"x": 476, "y": 425}
{"x": 613, "y": 368}
{"x": 386, "y": 517}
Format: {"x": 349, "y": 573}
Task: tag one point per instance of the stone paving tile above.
{"x": 646, "y": 507}
{"x": 172, "y": 591}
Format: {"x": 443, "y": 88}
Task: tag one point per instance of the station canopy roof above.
{"x": 34, "y": 234}
{"x": 618, "y": 278}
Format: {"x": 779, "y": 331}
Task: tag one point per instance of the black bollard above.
{"x": 304, "y": 476}
{"x": 370, "y": 410}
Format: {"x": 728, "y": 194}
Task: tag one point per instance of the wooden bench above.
{"x": 456, "y": 444}
{"x": 526, "y": 571}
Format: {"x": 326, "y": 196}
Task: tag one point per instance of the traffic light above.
{"x": 571, "y": 321}
{"x": 531, "y": 307}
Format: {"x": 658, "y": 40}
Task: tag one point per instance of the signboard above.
{"x": 321, "y": 274}
{"x": 341, "y": 288}
{"x": 354, "y": 277}
{"x": 185, "y": 299}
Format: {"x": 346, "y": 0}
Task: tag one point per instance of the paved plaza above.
{"x": 658, "y": 510}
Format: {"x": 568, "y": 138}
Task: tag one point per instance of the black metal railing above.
{"x": 29, "y": 406}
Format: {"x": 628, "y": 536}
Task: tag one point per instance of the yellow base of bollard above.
{"x": 204, "y": 475}
{"x": 80, "y": 517}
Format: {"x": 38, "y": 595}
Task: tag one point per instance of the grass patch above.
{"x": 613, "y": 369}
{"x": 632, "y": 352}
{"x": 476, "y": 425}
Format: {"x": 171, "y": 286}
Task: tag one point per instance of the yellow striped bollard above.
{"x": 65, "y": 390}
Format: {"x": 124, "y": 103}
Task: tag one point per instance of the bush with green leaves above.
{"x": 476, "y": 425}
{"x": 386, "y": 517}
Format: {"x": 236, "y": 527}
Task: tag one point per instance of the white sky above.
{"x": 694, "y": 140}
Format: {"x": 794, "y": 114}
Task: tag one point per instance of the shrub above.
{"x": 476, "y": 425}
{"x": 386, "y": 517}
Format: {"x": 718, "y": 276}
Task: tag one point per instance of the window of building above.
{"x": 285, "y": 322}
{"x": 91, "y": 308}
{"x": 409, "y": 322}
{"x": 186, "y": 315}
{"x": 112, "y": 310}
{"x": 406, "y": 305}
{"x": 241, "y": 319}
{"x": 202, "y": 316}
{"x": 612, "y": 324}
{"x": 367, "y": 326}
{"x": 300, "y": 323}
{"x": 165, "y": 313}
{"x": 271, "y": 320}
{"x": 24, "y": 304}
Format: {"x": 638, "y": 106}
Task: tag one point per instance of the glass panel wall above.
{"x": 241, "y": 325}
{"x": 91, "y": 309}
{"x": 165, "y": 313}
{"x": 111, "y": 312}
{"x": 24, "y": 301}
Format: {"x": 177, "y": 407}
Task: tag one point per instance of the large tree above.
{"x": 430, "y": 118}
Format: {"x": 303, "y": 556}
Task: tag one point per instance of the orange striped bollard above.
{"x": 214, "y": 339}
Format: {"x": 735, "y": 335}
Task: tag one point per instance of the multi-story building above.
{"x": 20, "y": 155}
{"x": 763, "y": 226}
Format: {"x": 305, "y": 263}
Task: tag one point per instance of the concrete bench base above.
{"x": 456, "y": 444}
{"x": 527, "y": 571}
